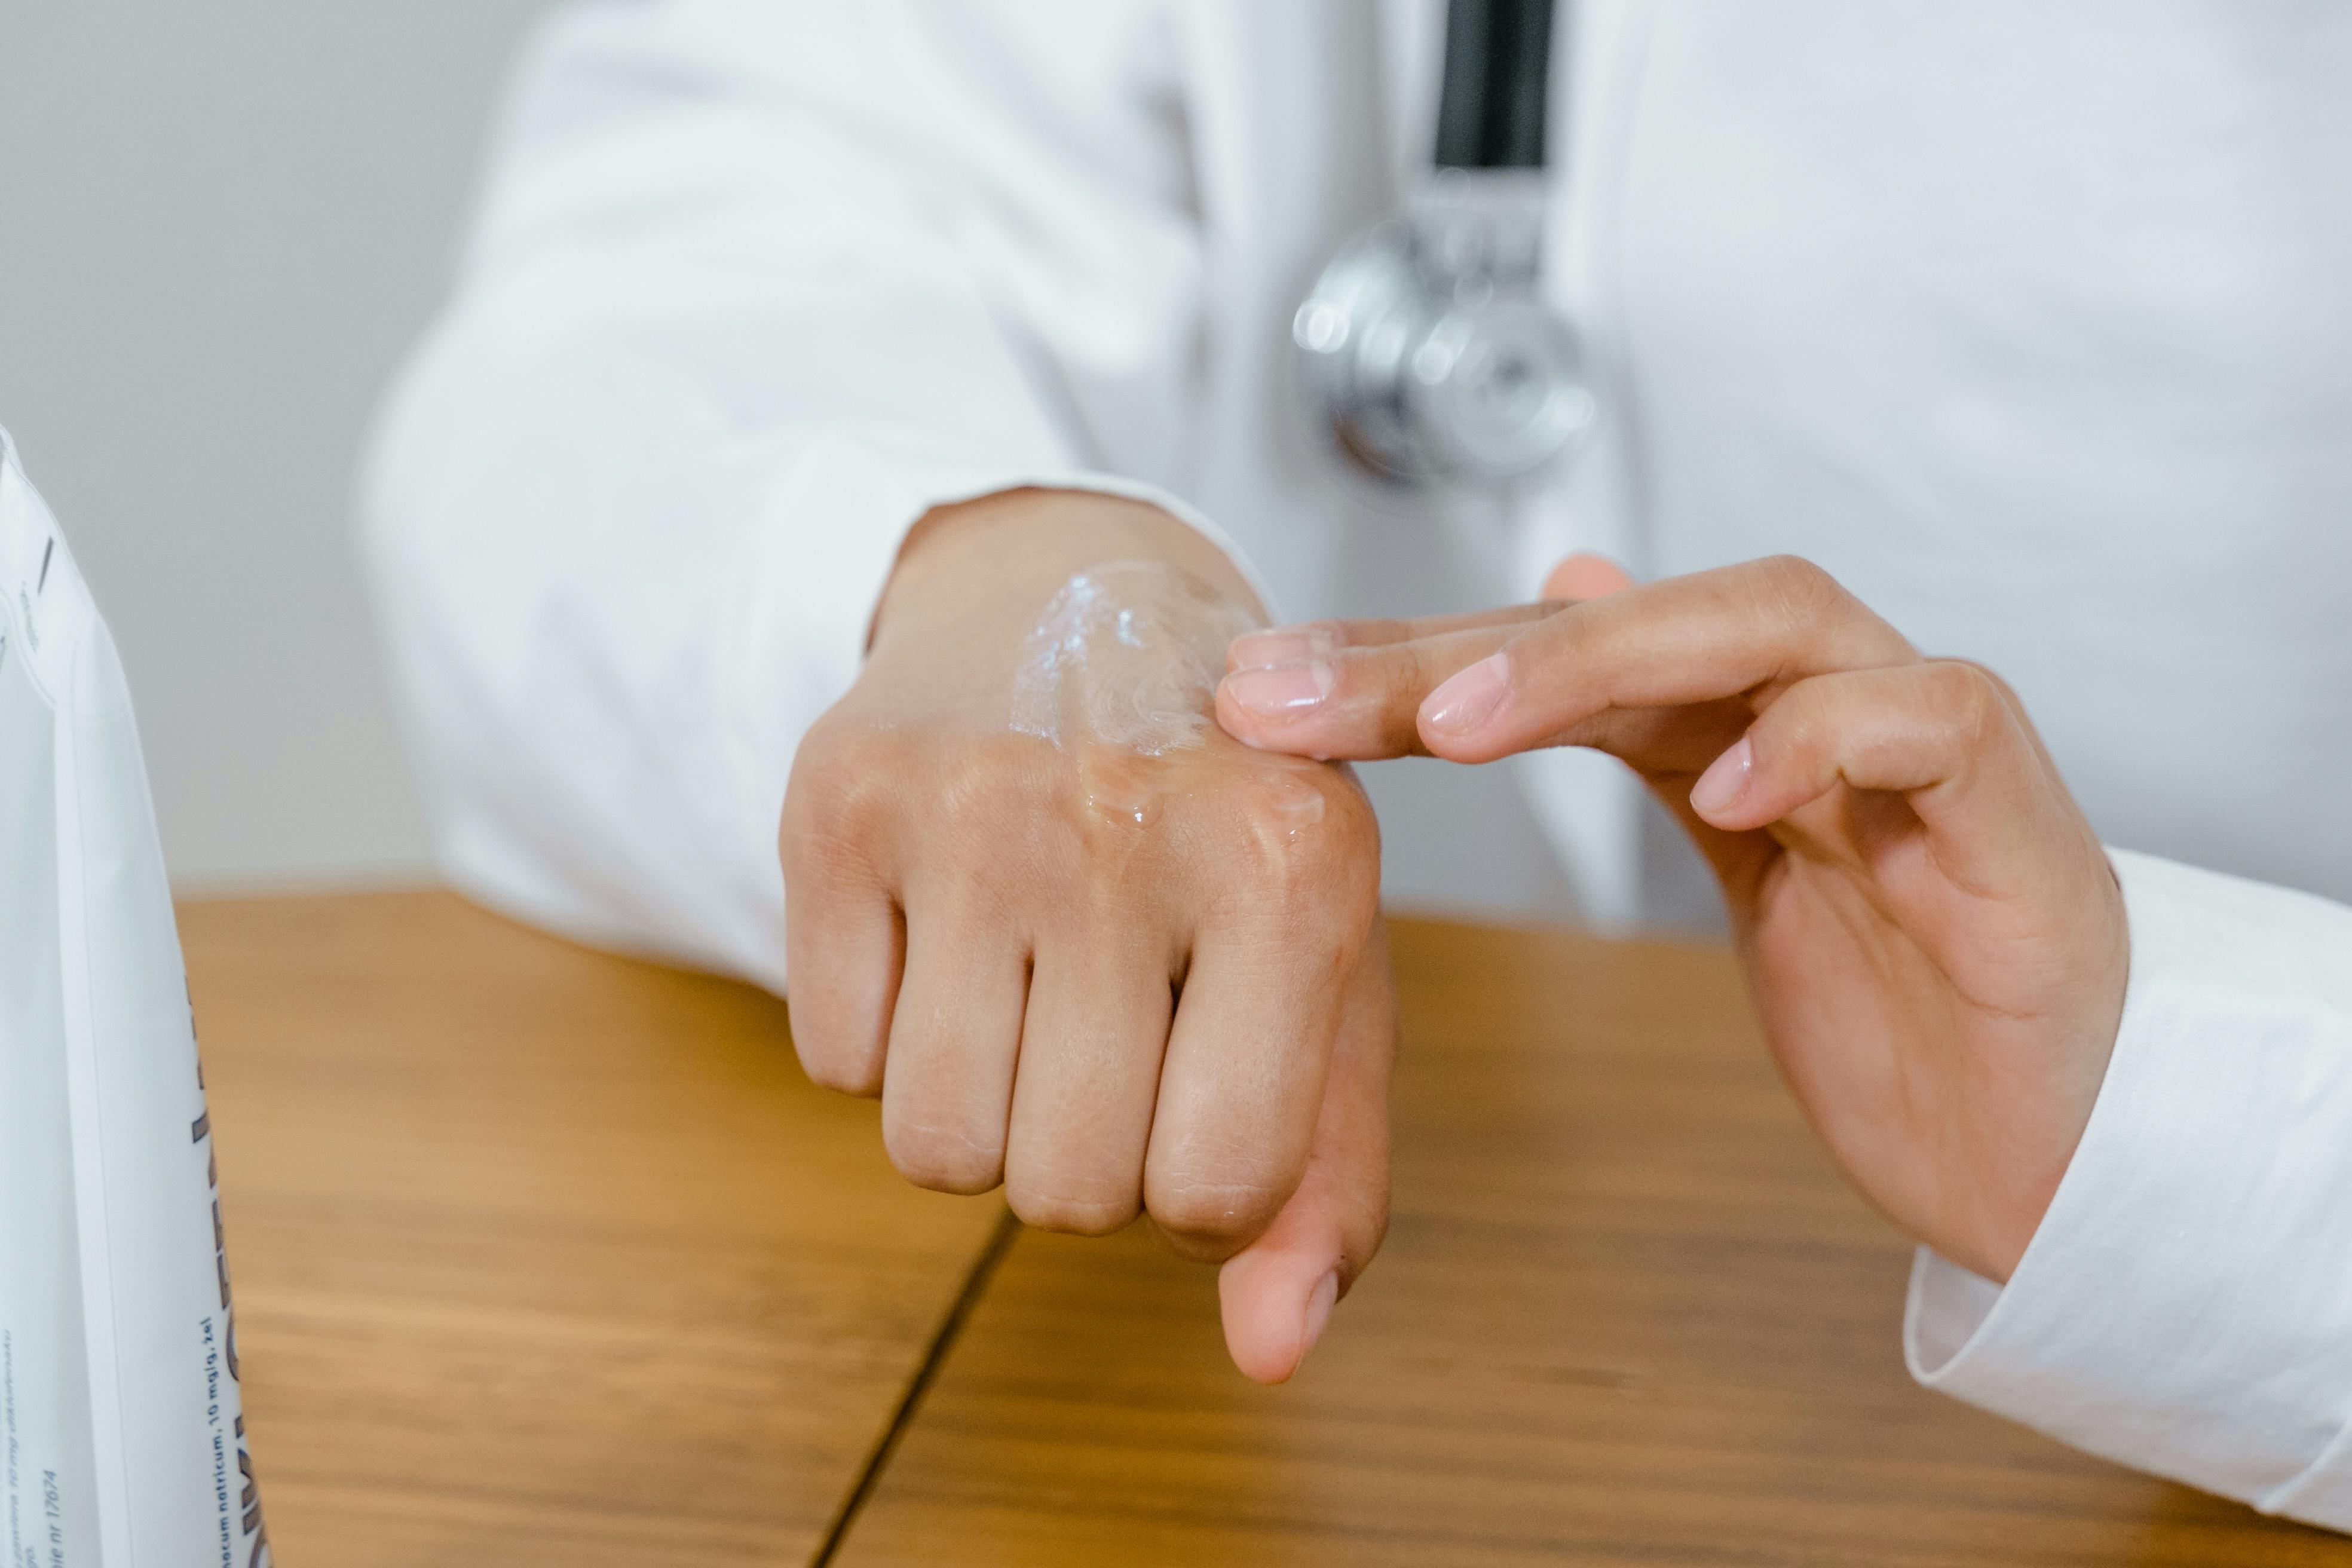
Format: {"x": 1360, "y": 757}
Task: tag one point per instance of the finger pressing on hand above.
{"x": 1357, "y": 701}
{"x": 1685, "y": 641}
{"x": 1311, "y": 640}
{"x": 1352, "y": 688}
{"x": 1942, "y": 733}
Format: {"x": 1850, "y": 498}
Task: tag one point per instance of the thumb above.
{"x": 1277, "y": 1293}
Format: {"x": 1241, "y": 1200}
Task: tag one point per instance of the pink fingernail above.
{"x": 1281, "y": 644}
{"x": 1724, "y": 781}
{"x": 1465, "y": 702}
{"x": 1318, "y": 1310}
{"x": 1282, "y": 689}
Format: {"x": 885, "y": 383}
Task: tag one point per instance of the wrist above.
{"x": 1005, "y": 554}
{"x": 2042, "y": 1132}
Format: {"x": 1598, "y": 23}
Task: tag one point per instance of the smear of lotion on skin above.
{"x": 1128, "y": 653}
{"x": 1122, "y": 670}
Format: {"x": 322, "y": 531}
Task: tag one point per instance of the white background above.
{"x": 220, "y": 224}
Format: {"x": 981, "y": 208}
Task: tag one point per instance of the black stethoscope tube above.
{"x": 1490, "y": 109}
{"x": 1425, "y": 346}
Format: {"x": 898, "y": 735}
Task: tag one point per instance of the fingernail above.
{"x": 1319, "y": 1311}
{"x": 1284, "y": 688}
{"x": 1724, "y": 781}
{"x": 1464, "y": 702}
{"x": 1281, "y": 644}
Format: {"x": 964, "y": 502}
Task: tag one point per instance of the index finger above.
{"x": 1475, "y": 695}
{"x": 1745, "y": 631}
{"x": 1360, "y": 704}
{"x": 1309, "y": 640}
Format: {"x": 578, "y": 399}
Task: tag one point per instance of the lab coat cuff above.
{"x": 2185, "y": 1305}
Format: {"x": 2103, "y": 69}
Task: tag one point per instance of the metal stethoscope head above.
{"x": 1425, "y": 346}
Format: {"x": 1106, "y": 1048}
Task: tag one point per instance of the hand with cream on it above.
{"x": 1935, "y": 939}
{"x": 1077, "y": 938}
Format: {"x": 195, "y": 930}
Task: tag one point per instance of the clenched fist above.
{"x": 1080, "y": 941}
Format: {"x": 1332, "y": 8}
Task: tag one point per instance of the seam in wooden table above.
{"x": 975, "y": 1285}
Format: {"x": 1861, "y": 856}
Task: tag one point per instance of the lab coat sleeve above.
{"x": 2185, "y": 1305}
{"x": 752, "y": 287}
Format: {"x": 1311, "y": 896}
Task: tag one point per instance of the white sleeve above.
{"x": 753, "y": 286}
{"x": 2186, "y": 1305}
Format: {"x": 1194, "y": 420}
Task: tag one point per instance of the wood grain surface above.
{"x": 549, "y": 1257}
{"x": 1627, "y": 1315}
{"x": 542, "y": 1257}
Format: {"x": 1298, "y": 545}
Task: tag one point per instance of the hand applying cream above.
{"x": 1935, "y": 938}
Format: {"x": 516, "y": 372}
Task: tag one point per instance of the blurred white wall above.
{"x": 220, "y": 227}
{"x": 220, "y": 224}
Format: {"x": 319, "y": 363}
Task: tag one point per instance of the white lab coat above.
{"x": 2030, "y": 324}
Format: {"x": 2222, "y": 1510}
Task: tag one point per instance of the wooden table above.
{"x": 547, "y": 1257}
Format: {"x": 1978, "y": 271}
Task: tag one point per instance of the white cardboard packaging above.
{"x": 121, "y": 1433}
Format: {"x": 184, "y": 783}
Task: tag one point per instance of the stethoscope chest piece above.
{"x": 1427, "y": 352}
{"x": 1427, "y": 348}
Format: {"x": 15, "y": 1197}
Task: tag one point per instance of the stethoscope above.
{"x": 1424, "y": 347}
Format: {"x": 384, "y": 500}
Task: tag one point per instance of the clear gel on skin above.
{"x": 1121, "y": 670}
{"x": 1128, "y": 653}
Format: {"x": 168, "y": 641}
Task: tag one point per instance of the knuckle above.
{"x": 839, "y": 796}
{"x": 1308, "y": 831}
{"x": 1967, "y": 695}
{"x": 1796, "y": 575}
{"x": 1215, "y": 1213}
{"x": 1804, "y": 735}
{"x": 941, "y": 1157}
{"x": 1992, "y": 677}
{"x": 1791, "y": 737}
{"x": 1800, "y": 591}
{"x": 1421, "y": 668}
{"x": 1073, "y": 1208}
{"x": 838, "y": 1043}
{"x": 842, "y": 1070}
{"x": 1584, "y": 641}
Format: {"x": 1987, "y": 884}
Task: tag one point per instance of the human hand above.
{"x": 1934, "y": 936}
{"x": 1076, "y": 939}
